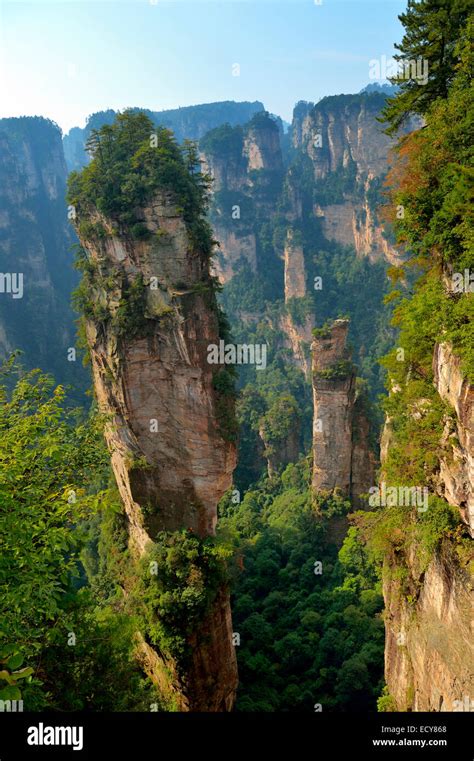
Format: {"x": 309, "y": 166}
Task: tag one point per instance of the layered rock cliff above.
{"x": 349, "y": 155}
{"x": 246, "y": 166}
{"x": 456, "y": 474}
{"x": 428, "y": 647}
{"x": 152, "y": 317}
{"x": 281, "y": 213}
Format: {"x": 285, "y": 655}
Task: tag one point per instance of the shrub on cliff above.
{"x": 180, "y": 577}
{"x": 131, "y": 160}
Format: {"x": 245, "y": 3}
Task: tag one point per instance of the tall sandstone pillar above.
{"x": 342, "y": 455}
{"x": 333, "y": 395}
{"x": 170, "y": 454}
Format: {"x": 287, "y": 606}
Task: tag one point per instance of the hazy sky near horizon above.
{"x": 66, "y": 59}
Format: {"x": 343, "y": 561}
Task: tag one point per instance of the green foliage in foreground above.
{"x": 47, "y": 461}
{"x": 64, "y": 649}
{"x": 430, "y": 181}
{"x": 306, "y": 638}
{"x": 180, "y": 577}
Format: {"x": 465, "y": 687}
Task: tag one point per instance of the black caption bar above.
{"x": 138, "y": 735}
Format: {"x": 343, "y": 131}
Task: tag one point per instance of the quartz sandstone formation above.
{"x": 333, "y": 410}
{"x": 231, "y": 172}
{"x": 262, "y": 147}
{"x": 296, "y": 336}
{"x": 428, "y": 616}
{"x": 186, "y": 123}
{"x": 171, "y": 460}
{"x": 456, "y": 476}
{"x": 295, "y": 274}
{"x": 342, "y": 457}
{"x": 428, "y": 644}
{"x": 341, "y": 135}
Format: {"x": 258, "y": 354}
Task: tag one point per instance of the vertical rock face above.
{"x": 235, "y": 245}
{"x": 349, "y": 131}
{"x": 295, "y": 275}
{"x": 333, "y": 395}
{"x": 171, "y": 455}
{"x": 243, "y": 163}
{"x": 428, "y": 650}
{"x": 349, "y": 154}
{"x": 287, "y": 450}
{"x": 342, "y": 456}
{"x": 428, "y": 644}
{"x": 355, "y": 224}
{"x": 35, "y": 238}
{"x": 456, "y": 477}
{"x": 262, "y": 146}
{"x": 363, "y": 461}
{"x": 296, "y": 336}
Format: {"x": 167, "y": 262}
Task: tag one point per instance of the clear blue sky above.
{"x": 67, "y": 59}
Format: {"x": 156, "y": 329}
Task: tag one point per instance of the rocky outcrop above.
{"x": 428, "y": 608}
{"x": 235, "y": 246}
{"x": 355, "y": 224}
{"x": 242, "y": 162}
{"x": 344, "y": 128}
{"x": 297, "y": 337}
{"x": 428, "y": 647}
{"x": 279, "y": 454}
{"x": 342, "y": 456}
{"x": 456, "y": 476}
{"x": 295, "y": 273}
{"x": 171, "y": 454}
{"x": 228, "y": 169}
{"x": 206, "y": 687}
{"x": 333, "y": 395}
{"x": 262, "y": 147}
{"x": 350, "y": 156}
{"x": 363, "y": 458}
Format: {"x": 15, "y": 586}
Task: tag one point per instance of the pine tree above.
{"x": 432, "y": 31}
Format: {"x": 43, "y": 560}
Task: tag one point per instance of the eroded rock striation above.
{"x": 246, "y": 166}
{"x": 349, "y": 155}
